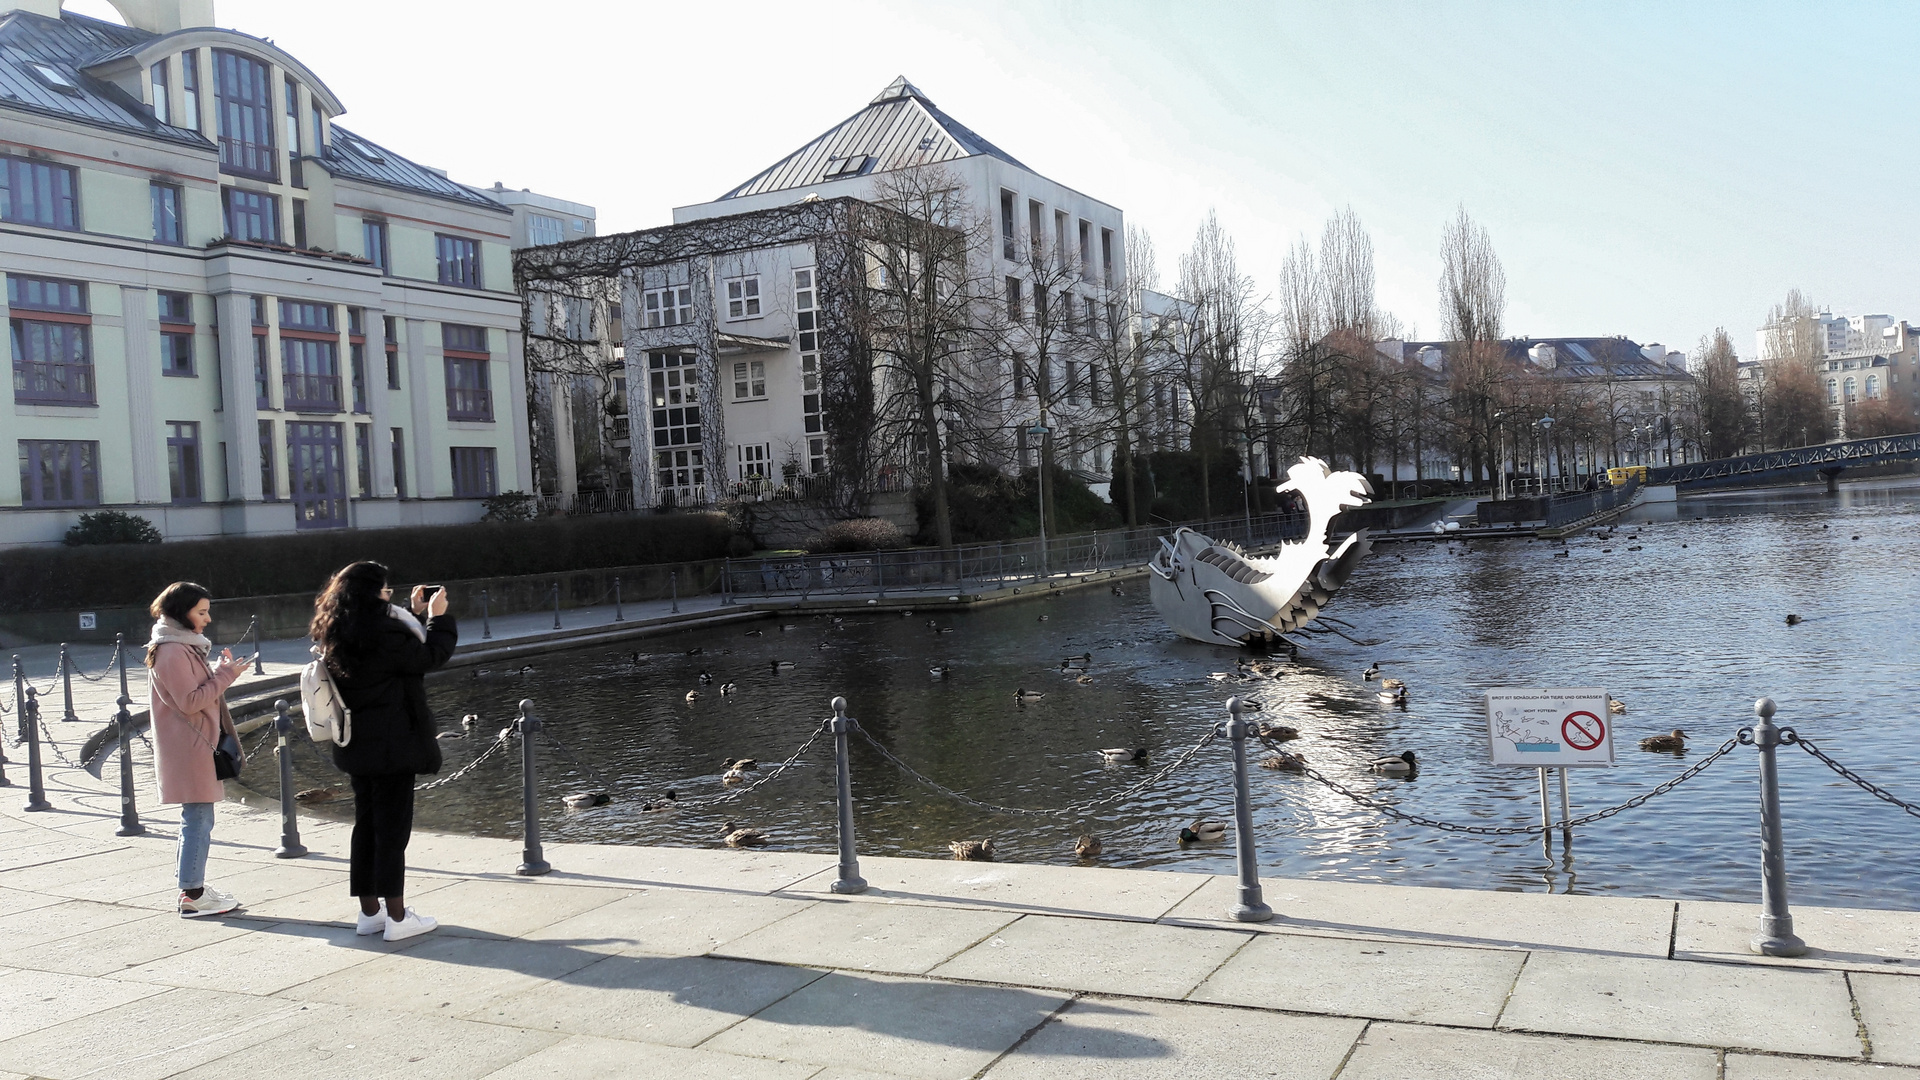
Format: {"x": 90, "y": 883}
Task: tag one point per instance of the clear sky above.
{"x": 1646, "y": 169}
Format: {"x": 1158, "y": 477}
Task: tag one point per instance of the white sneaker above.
{"x": 372, "y": 924}
{"x": 413, "y": 925}
{"x": 212, "y": 902}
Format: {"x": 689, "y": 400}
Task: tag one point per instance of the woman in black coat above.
{"x": 379, "y": 655}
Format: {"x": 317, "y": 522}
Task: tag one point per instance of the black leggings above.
{"x": 382, "y": 825}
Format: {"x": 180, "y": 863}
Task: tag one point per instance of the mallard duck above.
{"x": 785, "y": 627}
{"x": 904, "y": 612}
{"x": 1564, "y": 554}
{"x": 1278, "y": 732}
{"x": 1083, "y": 680}
{"x": 1616, "y": 706}
{"x": 1400, "y": 764}
{"x": 1118, "y": 591}
{"x": 1203, "y": 829}
{"x": 665, "y": 804}
{"x": 1372, "y": 672}
{"x": 1121, "y": 753}
{"x": 1394, "y": 697}
{"x": 1794, "y": 620}
{"x": 933, "y": 624}
{"x": 944, "y": 630}
{"x": 1082, "y": 660}
{"x": 526, "y": 669}
{"x": 741, "y": 836}
{"x": 733, "y": 776}
{"x": 1042, "y": 618}
{"x": 706, "y": 678}
{"x": 695, "y": 651}
{"x": 1284, "y": 762}
{"x": 1023, "y": 695}
{"x": 940, "y": 671}
{"x": 755, "y": 633}
{"x": 316, "y": 794}
{"x": 1251, "y": 705}
{"x": 781, "y": 665}
{"x": 586, "y": 799}
{"x": 693, "y": 696}
{"x": 1087, "y": 846}
{"x": 972, "y": 850}
{"x": 1393, "y": 684}
{"x": 745, "y": 764}
{"x": 1665, "y": 744}
{"x": 467, "y": 724}
{"x": 727, "y": 688}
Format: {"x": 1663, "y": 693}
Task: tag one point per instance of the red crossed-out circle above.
{"x": 1583, "y": 736}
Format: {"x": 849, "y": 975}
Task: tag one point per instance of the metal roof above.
{"x": 1576, "y": 358}
{"x": 898, "y": 128}
{"x": 361, "y": 159}
{"x": 67, "y": 45}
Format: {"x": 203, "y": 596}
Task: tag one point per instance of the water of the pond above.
{"x": 1687, "y": 631}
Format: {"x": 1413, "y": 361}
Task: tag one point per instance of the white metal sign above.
{"x": 89, "y": 621}
{"x": 1549, "y": 729}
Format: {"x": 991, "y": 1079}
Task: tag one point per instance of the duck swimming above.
{"x": 781, "y": 665}
{"x": 741, "y": 836}
{"x": 1277, "y": 732}
{"x": 1393, "y": 697}
{"x": 940, "y": 671}
{"x": 972, "y": 850}
{"x": 1665, "y": 744}
{"x": 1284, "y": 762}
{"x": 1121, "y": 753}
{"x": 1401, "y": 764}
{"x": 1023, "y": 696}
{"x": 1372, "y": 672}
{"x": 1203, "y": 829}
{"x": 585, "y": 800}
{"x": 1087, "y": 846}
{"x": 1616, "y": 706}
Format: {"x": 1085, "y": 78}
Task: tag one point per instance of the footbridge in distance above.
{"x": 1826, "y": 460}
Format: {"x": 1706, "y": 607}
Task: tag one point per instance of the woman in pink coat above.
{"x": 189, "y": 710}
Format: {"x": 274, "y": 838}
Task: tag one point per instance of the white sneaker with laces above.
{"x": 413, "y": 925}
{"x": 211, "y": 902}
{"x": 372, "y": 924}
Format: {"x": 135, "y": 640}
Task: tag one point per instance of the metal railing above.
{"x": 1850, "y": 452}
{"x": 1567, "y": 509}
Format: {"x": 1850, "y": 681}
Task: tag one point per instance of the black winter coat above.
{"x": 385, "y": 686}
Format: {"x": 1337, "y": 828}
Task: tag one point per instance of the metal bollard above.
{"x": 129, "y": 813}
{"x": 290, "y": 845}
{"x": 618, "y": 614}
{"x": 253, "y": 627}
{"x": 30, "y": 717}
{"x": 673, "y": 582}
{"x": 19, "y": 695}
{"x": 726, "y": 581}
{"x": 880, "y": 574}
{"x": 1776, "y": 937}
{"x": 556, "y": 605}
{"x": 532, "y": 861}
{"x": 1251, "y": 908}
{"x": 66, "y": 679}
{"x": 486, "y": 624}
{"x": 850, "y": 880}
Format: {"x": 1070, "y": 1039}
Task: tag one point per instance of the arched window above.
{"x": 1833, "y": 392}
{"x": 1852, "y": 395}
{"x": 1873, "y": 388}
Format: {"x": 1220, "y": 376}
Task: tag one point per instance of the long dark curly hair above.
{"x": 347, "y": 611}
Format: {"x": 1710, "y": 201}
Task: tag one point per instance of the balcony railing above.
{"x": 39, "y": 382}
{"x": 311, "y": 393}
{"x": 242, "y": 158}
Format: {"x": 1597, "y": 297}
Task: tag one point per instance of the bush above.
{"x": 60, "y": 579}
{"x": 112, "y": 527}
{"x": 510, "y": 506}
{"x": 858, "y": 534}
{"x": 987, "y": 505}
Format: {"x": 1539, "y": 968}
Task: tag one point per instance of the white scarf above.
{"x": 407, "y": 620}
{"x": 165, "y": 630}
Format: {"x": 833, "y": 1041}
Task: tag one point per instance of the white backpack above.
{"x": 328, "y": 718}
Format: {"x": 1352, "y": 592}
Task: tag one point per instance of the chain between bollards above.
{"x": 290, "y": 845}
{"x": 19, "y": 685}
{"x": 619, "y": 614}
{"x": 30, "y": 732}
{"x": 66, "y": 681}
{"x": 253, "y": 627}
{"x": 486, "y": 624}
{"x": 532, "y": 860}
{"x": 1776, "y": 937}
{"x": 1252, "y": 907}
{"x": 849, "y": 880}
{"x": 123, "y": 720}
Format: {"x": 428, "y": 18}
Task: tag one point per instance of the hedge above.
{"x": 64, "y": 578}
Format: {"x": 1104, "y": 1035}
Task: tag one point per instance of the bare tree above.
{"x": 1473, "y": 303}
{"x": 1220, "y": 347}
{"x": 1726, "y": 427}
{"x": 1120, "y": 364}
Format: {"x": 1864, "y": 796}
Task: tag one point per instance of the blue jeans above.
{"x": 196, "y": 833}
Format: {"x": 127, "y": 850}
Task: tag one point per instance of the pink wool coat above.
{"x": 189, "y": 709}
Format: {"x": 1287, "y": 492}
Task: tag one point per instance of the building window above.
{"x": 1019, "y": 377}
{"x": 190, "y": 89}
{"x": 743, "y": 297}
{"x": 1086, "y": 250}
{"x": 469, "y": 392}
{"x": 316, "y": 475}
{"x": 309, "y": 358}
{"x": 52, "y": 343}
{"x": 373, "y": 234}
{"x": 37, "y": 193}
{"x": 158, "y": 74}
{"x": 1008, "y": 248}
{"x": 1073, "y": 381}
{"x": 1090, "y": 324}
{"x": 669, "y": 307}
{"x": 399, "y": 441}
{"x": 473, "y": 472}
{"x": 357, "y": 367}
{"x": 363, "y": 459}
{"x": 299, "y": 223}
{"x": 1850, "y": 390}
{"x": 262, "y": 374}
{"x": 319, "y": 127}
{"x": 244, "y": 102}
{"x": 459, "y": 260}
{"x": 166, "y": 213}
{"x": 183, "y": 460}
{"x": 678, "y": 455}
{"x": 1036, "y": 232}
{"x": 176, "y": 334}
{"x": 749, "y": 380}
{"x": 806, "y": 323}
{"x": 1016, "y": 310}
{"x": 269, "y": 486}
{"x": 251, "y": 215}
{"x": 543, "y": 229}
{"x": 303, "y": 315}
{"x": 391, "y": 324}
{"x": 59, "y": 473}
{"x": 1106, "y": 256}
{"x": 1873, "y": 388}
{"x": 294, "y": 175}
{"x": 753, "y": 460}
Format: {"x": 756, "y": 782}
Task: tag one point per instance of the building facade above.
{"x": 228, "y": 313}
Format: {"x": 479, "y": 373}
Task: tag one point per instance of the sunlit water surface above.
{"x": 1687, "y": 631}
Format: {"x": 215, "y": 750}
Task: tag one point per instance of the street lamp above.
{"x": 1499, "y": 456}
{"x": 1545, "y": 424}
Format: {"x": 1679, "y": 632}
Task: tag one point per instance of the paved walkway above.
{"x": 633, "y": 961}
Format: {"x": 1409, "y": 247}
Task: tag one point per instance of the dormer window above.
{"x": 847, "y": 166}
{"x": 55, "y": 78}
{"x": 160, "y": 103}
{"x": 243, "y": 97}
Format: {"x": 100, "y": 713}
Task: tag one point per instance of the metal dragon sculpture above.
{"x": 1213, "y": 591}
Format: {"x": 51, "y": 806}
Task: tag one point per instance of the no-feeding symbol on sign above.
{"x": 1549, "y": 728}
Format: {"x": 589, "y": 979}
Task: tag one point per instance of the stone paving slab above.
{"x": 918, "y": 1027}
{"x": 13, "y": 900}
{"x": 1890, "y": 1009}
{"x": 510, "y": 908}
{"x": 1415, "y": 1052}
{"x": 1701, "y": 1004}
{"x": 679, "y": 1001}
{"x": 339, "y": 1042}
{"x": 1099, "y": 956}
{"x": 152, "y": 1038}
{"x": 446, "y": 976}
{"x": 908, "y": 939}
{"x": 1856, "y": 939}
{"x": 46, "y": 850}
{"x": 1757, "y": 1067}
{"x": 25, "y": 929}
{"x": 720, "y": 869}
{"x": 668, "y": 922}
{"x": 1097, "y": 1038}
{"x": 1047, "y": 890}
{"x": 1384, "y": 980}
{"x": 1608, "y": 925}
{"x": 270, "y": 957}
{"x": 41, "y": 999}
{"x": 125, "y": 946}
{"x": 586, "y": 1057}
